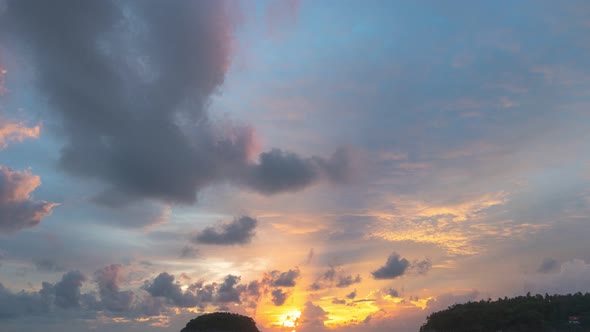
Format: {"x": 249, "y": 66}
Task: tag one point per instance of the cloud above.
{"x": 131, "y": 81}
{"x": 67, "y": 290}
{"x": 338, "y": 301}
{"x": 108, "y": 281}
{"x": 23, "y": 303}
{"x": 393, "y": 292}
{"x": 238, "y": 231}
{"x": 199, "y": 294}
{"x": 164, "y": 286}
{"x": 15, "y": 131}
{"x": 227, "y": 292}
{"x": 189, "y": 252}
{"x": 393, "y": 268}
{"x": 548, "y": 265}
{"x": 18, "y": 210}
{"x": 64, "y": 294}
{"x": 279, "y": 297}
{"x": 312, "y": 318}
{"x": 280, "y": 171}
{"x": 345, "y": 281}
{"x": 47, "y": 265}
{"x": 282, "y": 279}
{"x": 421, "y": 267}
{"x": 573, "y": 276}
{"x": 445, "y": 300}
{"x": 351, "y": 295}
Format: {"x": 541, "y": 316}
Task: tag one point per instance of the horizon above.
{"x": 315, "y": 165}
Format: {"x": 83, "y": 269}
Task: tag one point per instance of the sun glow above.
{"x": 290, "y": 319}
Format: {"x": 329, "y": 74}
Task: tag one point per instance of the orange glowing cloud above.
{"x": 16, "y": 131}
{"x": 18, "y": 210}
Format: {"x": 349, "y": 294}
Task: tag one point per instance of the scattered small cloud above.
{"x": 395, "y": 267}
{"x": 240, "y": 231}
{"x": 18, "y": 209}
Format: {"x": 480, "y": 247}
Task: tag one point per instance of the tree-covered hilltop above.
{"x": 221, "y": 322}
{"x": 524, "y": 313}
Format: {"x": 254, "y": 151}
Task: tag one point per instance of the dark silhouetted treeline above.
{"x": 221, "y": 322}
{"x": 528, "y": 313}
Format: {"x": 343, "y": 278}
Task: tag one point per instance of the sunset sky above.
{"x": 316, "y": 164}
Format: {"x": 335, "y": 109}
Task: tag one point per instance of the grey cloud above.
{"x": 393, "y": 268}
{"x": 279, "y": 171}
{"x": 199, "y": 294}
{"x": 47, "y": 265}
{"x": 283, "y": 279}
{"x": 18, "y": 210}
{"x": 164, "y": 286}
{"x": 67, "y": 290}
{"x": 238, "y": 231}
{"x": 64, "y": 294}
{"x": 112, "y": 298}
{"x": 329, "y": 275}
{"x": 23, "y": 303}
{"x": 421, "y": 267}
{"x": 548, "y": 265}
{"x": 571, "y": 277}
{"x": 338, "y": 301}
{"x": 227, "y": 292}
{"x": 189, "y": 252}
{"x": 345, "y": 281}
{"x": 351, "y": 295}
{"x": 279, "y": 297}
{"x": 131, "y": 82}
{"x": 393, "y": 292}
{"x": 315, "y": 286}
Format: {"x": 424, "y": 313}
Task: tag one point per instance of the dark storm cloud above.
{"x": 548, "y": 265}
{"x": 108, "y": 281}
{"x": 238, "y": 231}
{"x": 279, "y": 297}
{"x": 393, "y": 268}
{"x": 345, "y": 281}
{"x": 18, "y": 210}
{"x": 131, "y": 81}
{"x": 282, "y": 279}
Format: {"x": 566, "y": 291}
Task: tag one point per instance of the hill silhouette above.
{"x": 549, "y": 313}
{"x": 221, "y": 322}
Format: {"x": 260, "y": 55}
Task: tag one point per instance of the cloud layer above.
{"x": 131, "y": 81}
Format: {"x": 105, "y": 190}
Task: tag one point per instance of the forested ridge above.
{"x": 528, "y": 313}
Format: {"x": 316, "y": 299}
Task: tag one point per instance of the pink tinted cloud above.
{"x": 18, "y": 210}
{"x": 16, "y": 131}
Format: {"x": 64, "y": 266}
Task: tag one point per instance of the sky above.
{"x": 316, "y": 165}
